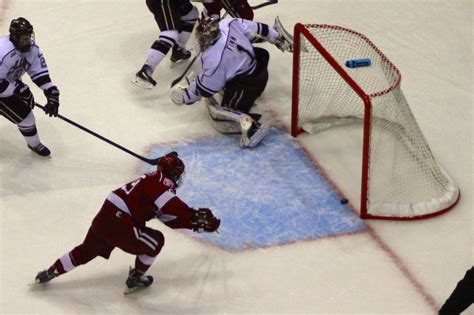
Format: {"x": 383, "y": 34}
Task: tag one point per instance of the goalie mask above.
{"x": 172, "y": 167}
{"x": 21, "y": 34}
{"x": 207, "y": 32}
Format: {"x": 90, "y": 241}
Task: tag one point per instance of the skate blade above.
{"x": 143, "y": 84}
{"x": 174, "y": 64}
{"x": 35, "y": 284}
{"x": 259, "y": 135}
{"x": 128, "y": 290}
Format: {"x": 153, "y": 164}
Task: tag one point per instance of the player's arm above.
{"x": 178, "y": 215}
{"x": 6, "y": 87}
{"x": 17, "y": 87}
{"x": 210, "y": 81}
{"x": 258, "y": 32}
{"x": 39, "y": 74}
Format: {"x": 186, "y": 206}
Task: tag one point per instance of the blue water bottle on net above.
{"x": 357, "y": 63}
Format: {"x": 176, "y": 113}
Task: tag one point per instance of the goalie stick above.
{"x": 149, "y": 161}
{"x": 178, "y": 79}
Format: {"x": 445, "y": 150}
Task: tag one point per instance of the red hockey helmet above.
{"x": 207, "y": 32}
{"x": 171, "y": 166}
{"x": 21, "y": 34}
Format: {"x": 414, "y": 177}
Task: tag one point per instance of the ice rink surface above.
{"x": 93, "y": 48}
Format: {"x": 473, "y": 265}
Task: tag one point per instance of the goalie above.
{"x": 231, "y": 64}
{"x": 122, "y": 218}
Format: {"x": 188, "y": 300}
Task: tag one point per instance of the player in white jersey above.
{"x": 231, "y": 64}
{"x": 175, "y": 19}
{"x": 19, "y": 55}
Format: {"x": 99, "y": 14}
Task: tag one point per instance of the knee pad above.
{"x": 169, "y": 37}
{"x": 191, "y": 17}
{"x": 28, "y": 121}
{"x": 160, "y": 241}
{"x": 27, "y": 126}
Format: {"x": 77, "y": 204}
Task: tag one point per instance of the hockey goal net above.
{"x": 401, "y": 179}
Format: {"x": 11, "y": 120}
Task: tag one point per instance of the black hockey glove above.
{"x": 52, "y": 107}
{"x": 204, "y": 221}
{"x": 23, "y": 91}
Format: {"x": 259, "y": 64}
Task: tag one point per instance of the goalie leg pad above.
{"x": 225, "y": 120}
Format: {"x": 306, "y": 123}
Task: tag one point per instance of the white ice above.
{"x": 93, "y": 48}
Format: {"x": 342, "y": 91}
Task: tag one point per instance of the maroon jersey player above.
{"x": 121, "y": 222}
{"x": 235, "y": 8}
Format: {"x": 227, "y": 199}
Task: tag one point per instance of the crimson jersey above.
{"x": 152, "y": 196}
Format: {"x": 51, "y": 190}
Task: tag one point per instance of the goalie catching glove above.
{"x": 204, "y": 221}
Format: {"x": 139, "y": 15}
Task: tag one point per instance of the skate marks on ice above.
{"x": 265, "y": 196}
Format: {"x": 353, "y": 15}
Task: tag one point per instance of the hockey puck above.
{"x": 344, "y": 201}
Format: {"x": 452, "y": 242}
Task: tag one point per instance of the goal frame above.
{"x": 301, "y": 30}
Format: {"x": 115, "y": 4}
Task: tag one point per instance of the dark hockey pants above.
{"x": 241, "y": 92}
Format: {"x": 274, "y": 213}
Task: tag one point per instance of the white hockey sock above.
{"x": 183, "y": 38}
{"x": 154, "y": 58}
{"x": 27, "y": 128}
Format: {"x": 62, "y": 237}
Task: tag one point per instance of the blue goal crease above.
{"x": 269, "y": 195}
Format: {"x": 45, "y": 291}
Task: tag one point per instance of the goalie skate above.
{"x": 253, "y": 134}
{"x": 134, "y": 284}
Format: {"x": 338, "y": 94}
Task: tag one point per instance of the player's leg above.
{"x": 19, "y": 113}
{"x": 167, "y": 17}
{"x": 91, "y": 247}
{"x": 240, "y": 94}
{"x": 462, "y": 296}
{"x": 189, "y": 15}
{"x": 225, "y": 120}
{"x": 118, "y": 229}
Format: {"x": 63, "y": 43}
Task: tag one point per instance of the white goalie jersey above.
{"x": 231, "y": 55}
{"x": 14, "y": 64}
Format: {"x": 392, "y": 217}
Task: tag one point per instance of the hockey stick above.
{"x": 258, "y": 6}
{"x": 149, "y": 161}
{"x": 264, "y": 4}
{"x": 178, "y": 79}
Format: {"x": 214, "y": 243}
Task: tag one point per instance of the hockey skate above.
{"x": 136, "y": 283}
{"x": 44, "y": 276}
{"x": 143, "y": 78}
{"x": 179, "y": 55}
{"x": 252, "y": 134}
{"x": 40, "y": 149}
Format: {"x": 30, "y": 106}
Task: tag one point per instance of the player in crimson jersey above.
{"x": 235, "y": 8}
{"x": 122, "y": 218}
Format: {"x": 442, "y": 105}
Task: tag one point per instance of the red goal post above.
{"x": 400, "y": 178}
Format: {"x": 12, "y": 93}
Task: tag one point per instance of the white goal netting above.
{"x": 400, "y": 177}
